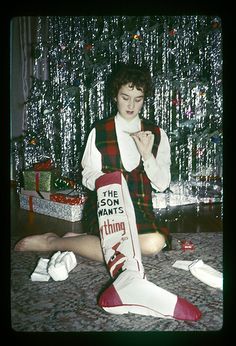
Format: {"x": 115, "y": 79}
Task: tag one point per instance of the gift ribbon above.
{"x": 31, "y": 203}
{"x": 37, "y": 176}
{"x": 40, "y": 195}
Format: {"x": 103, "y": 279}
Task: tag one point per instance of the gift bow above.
{"x": 43, "y": 166}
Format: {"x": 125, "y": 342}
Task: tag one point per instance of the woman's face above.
{"x": 129, "y": 101}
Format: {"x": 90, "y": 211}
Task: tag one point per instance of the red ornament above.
{"x": 187, "y": 245}
{"x": 172, "y": 32}
{"x": 176, "y": 102}
{"x": 88, "y": 47}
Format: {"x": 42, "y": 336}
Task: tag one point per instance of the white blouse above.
{"x": 157, "y": 169}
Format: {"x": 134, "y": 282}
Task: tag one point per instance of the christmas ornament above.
{"x": 215, "y": 24}
{"x": 172, "y": 32}
{"x": 137, "y": 36}
{"x": 33, "y": 141}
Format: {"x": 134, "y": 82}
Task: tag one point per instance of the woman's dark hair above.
{"x": 133, "y": 74}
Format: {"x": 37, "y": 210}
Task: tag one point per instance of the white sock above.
{"x": 40, "y": 273}
{"x": 61, "y": 263}
{"x": 206, "y": 274}
{"x": 130, "y": 292}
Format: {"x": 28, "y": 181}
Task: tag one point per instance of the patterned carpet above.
{"x": 71, "y": 305}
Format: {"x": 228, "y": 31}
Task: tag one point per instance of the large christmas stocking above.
{"x": 130, "y": 291}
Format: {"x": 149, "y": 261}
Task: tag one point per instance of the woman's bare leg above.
{"x": 85, "y": 245}
{"x": 151, "y": 243}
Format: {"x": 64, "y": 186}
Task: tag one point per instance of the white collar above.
{"x": 133, "y": 125}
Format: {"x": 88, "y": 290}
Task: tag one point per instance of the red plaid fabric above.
{"x": 137, "y": 180}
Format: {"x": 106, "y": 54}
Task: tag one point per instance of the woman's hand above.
{"x": 144, "y": 141}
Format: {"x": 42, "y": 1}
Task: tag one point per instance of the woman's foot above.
{"x": 40, "y": 242}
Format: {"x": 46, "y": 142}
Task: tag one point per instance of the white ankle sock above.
{"x": 60, "y": 264}
{"x": 206, "y": 274}
{"x": 40, "y": 273}
{"x": 130, "y": 292}
{"x": 202, "y": 271}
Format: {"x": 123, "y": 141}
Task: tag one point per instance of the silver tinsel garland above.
{"x": 73, "y": 59}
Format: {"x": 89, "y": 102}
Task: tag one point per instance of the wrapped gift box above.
{"x": 33, "y": 193}
{"x": 162, "y": 200}
{"x": 40, "y": 180}
{"x": 67, "y": 198}
{"x": 59, "y": 210}
{"x": 64, "y": 196}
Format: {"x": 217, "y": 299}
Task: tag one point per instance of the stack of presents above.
{"x": 46, "y": 192}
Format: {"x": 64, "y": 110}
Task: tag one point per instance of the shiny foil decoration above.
{"x": 69, "y": 92}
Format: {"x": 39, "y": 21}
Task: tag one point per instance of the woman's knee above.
{"x": 151, "y": 243}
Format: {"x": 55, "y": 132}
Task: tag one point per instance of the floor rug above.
{"x": 71, "y": 305}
